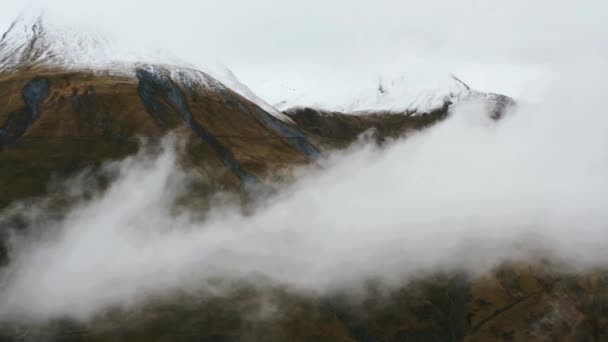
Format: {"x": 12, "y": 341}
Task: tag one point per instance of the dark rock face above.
{"x": 292, "y": 134}
{"x": 18, "y": 122}
{"x": 149, "y": 80}
{"x": 34, "y": 93}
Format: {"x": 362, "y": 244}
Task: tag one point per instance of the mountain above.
{"x": 28, "y": 43}
{"x": 335, "y": 115}
{"x": 31, "y": 42}
{"x": 408, "y": 94}
{"x": 62, "y": 112}
{"x": 393, "y": 112}
{"x": 64, "y": 89}
{"x": 67, "y": 112}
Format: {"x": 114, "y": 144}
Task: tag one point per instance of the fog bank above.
{"x": 465, "y": 194}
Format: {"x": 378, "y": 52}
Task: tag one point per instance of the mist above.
{"x": 464, "y": 195}
{"x": 493, "y": 46}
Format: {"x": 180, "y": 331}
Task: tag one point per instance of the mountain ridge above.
{"x": 58, "y": 119}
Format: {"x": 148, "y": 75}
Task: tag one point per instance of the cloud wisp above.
{"x": 466, "y": 194}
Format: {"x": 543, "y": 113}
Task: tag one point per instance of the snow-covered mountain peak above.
{"x": 404, "y": 93}
{"x": 32, "y": 41}
{"x": 400, "y": 93}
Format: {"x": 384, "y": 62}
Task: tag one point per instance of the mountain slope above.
{"x": 51, "y": 116}
{"x": 68, "y": 110}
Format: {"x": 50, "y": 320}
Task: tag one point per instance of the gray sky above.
{"x": 494, "y": 45}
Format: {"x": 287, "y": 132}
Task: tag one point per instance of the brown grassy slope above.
{"x": 333, "y": 130}
{"x": 88, "y": 118}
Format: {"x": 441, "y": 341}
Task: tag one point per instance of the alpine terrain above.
{"x": 72, "y": 108}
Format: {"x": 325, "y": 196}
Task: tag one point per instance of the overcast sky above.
{"x": 494, "y": 45}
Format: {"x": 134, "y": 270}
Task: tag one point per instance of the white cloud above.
{"x": 466, "y": 194}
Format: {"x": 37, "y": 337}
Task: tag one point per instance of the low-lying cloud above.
{"x": 466, "y": 194}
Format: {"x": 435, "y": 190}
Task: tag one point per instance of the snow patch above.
{"x": 407, "y": 93}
